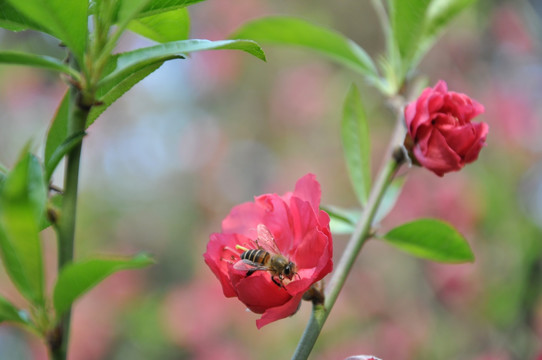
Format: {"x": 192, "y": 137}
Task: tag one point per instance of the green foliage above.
{"x": 407, "y": 23}
{"x": 108, "y": 95}
{"x": 22, "y": 203}
{"x": 163, "y": 27}
{"x": 58, "y": 131}
{"x": 13, "y": 20}
{"x": 431, "y": 239}
{"x": 54, "y": 205}
{"x": 63, "y": 149}
{"x": 342, "y": 221}
{"x": 3, "y": 173}
{"x": 129, "y": 62}
{"x": 66, "y": 20}
{"x": 9, "y": 313}
{"x": 282, "y": 30}
{"x": 440, "y": 14}
{"x": 159, "y": 6}
{"x": 78, "y": 278}
{"x": 45, "y": 62}
{"x": 389, "y": 199}
{"x": 414, "y": 27}
{"x": 356, "y": 144}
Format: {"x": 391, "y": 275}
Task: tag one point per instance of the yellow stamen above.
{"x": 241, "y": 247}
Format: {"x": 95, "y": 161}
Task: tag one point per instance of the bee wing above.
{"x": 247, "y": 265}
{"x": 266, "y": 240}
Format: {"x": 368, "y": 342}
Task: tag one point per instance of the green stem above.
{"x": 393, "y": 160}
{"x": 59, "y": 339}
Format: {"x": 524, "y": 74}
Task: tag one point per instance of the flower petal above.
{"x": 482, "y": 130}
{"x": 280, "y": 312}
{"x": 461, "y": 138}
{"x": 217, "y": 257}
{"x": 258, "y": 292}
{"x": 268, "y": 209}
{"x": 441, "y": 87}
{"x": 435, "y": 154}
{"x": 308, "y": 189}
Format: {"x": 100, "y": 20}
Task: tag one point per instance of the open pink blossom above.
{"x": 301, "y": 233}
{"x": 439, "y": 123}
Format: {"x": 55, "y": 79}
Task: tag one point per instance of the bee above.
{"x": 267, "y": 257}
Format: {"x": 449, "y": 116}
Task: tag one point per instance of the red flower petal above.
{"x": 460, "y": 139}
{"x": 436, "y": 155}
{"x": 302, "y": 235}
{"x": 280, "y": 312}
{"x": 481, "y": 130}
{"x": 258, "y": 292}
{"x": 439, "y": 123}
{"x": 308, "y": 189}
{"x": 216, "y": 257}
{"x": 268, "y": 209}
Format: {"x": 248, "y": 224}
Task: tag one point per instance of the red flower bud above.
{"x": 290, "y": 226}
{"x": 439, "y": 123}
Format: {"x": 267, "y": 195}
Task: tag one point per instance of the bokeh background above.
{"x": 164, "y": 165}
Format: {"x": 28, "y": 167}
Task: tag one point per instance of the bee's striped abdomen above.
{"x": 257, "y": 256}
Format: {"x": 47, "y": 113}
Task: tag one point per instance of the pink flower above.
{"x": 439, "y": 123}
{"x": 291, "y": 224}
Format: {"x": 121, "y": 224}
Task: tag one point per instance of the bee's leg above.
{"x": 276, "y": 282}
{"x": 250, "y": 272}
{"x": 279, "y": 283}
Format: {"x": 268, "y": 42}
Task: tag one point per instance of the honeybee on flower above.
{"x": 275, "y": 240}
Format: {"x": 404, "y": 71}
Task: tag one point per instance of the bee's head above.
{"x": 290, "y": 270}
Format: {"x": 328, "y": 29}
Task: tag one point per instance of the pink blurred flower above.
{"x": 301, "y": 234}
{"x": 297, "y": 97}
{"x": 197, "y": 328}
{"x": 94, "y": 319}
{"x": 511, "y": 31}
{"x": 455, "y": 285}
{"x": 439, "y": 124}
{"x": 514, "y": 114}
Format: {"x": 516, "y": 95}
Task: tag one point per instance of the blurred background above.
{"x": 164, "y": 165}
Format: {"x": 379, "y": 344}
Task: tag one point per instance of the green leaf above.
{"x": 58, "y": 131}
{"x": 159, "y": 6}
{"x": 40, "y": 61}
{"x": 439, "y": 14}
{"x": 59, "y": 153}
{"x": 132, "y": 61}
{"x": 54, "y": 206}
{"x": 108, "y": 95}
{"x": 128, "y": 10}
{"x": 148, "y": 8}
{"x": 22, "y": 204}
{"x": 389, "y": 199}
{"x": 282, "y": 30}
{"x": 431, "y": 239}
{"x": 356, "y": 144}
{"x": 78, "y": 278}
{"x": 66, "y": 20}
{"x": 3, "y": 169}
{"x": 163, "y": 27}
{"x": 342, "y": 221}
{"x": 8, "y": 312}
{"x": 13, "y": 20}
{"x": 407, "y": 22}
